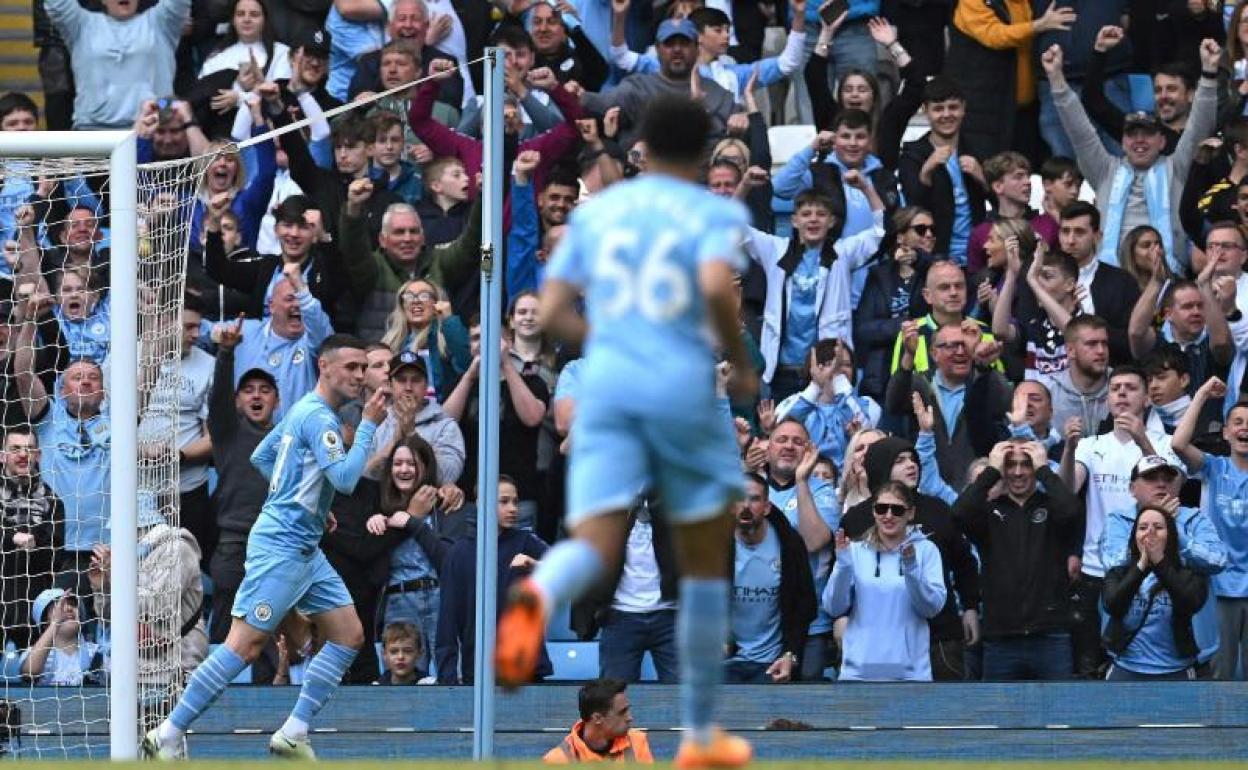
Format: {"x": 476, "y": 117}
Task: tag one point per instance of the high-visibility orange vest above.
{"x": 633, "y": 747}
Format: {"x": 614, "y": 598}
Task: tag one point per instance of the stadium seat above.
{"x": 786, "y": 140}
{"x": 573, "y": 661}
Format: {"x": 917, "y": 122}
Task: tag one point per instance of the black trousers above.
{"x": 1085, "y": 634}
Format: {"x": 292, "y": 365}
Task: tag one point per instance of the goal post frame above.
{"x": 120, "y": 148}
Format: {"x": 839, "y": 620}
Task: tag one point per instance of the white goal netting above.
{"x": 56, "y": 458}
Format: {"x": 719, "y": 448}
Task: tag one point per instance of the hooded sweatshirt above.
{"x": 1069, "y": 401}
{"x": 440, "y": 430}
{"x": 933, "y": 520}
{"x": 889, "y": 601}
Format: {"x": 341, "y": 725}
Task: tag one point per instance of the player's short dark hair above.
{"x": 675, "y": 129}
{"x": 1059, "y": 166}
{"x": 382, "y": 121}
{"x": 852, "y": 119}
{"x": 942, "y": 88}
{"x": 596, "y": 695}
{"x": 19, "y": 430}
{"x": 370, "y": 347}
{"x": 756, "y": 478}
{"x": 336, "y": 342}
{"x": 1235, "y": 132}
{"x": 1167, "y": 357}
{"x": 1083, "y": 209}
{"x": 1242, "y": 403}
{"x": 17, "y": 102}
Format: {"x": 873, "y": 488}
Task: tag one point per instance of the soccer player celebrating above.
{"x": 656, "y": 259}
{"x": 285, "y": 568}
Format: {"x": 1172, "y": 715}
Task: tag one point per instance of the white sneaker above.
{"x": 282, "y": 746}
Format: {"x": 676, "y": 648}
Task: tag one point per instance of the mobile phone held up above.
{"x": 833, "y": 11}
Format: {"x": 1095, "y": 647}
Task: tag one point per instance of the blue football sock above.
{"x": 567, "y": 571}
{"x": 701, "y": 630}
{"x": 206, "y": 685}
{"x": 321, "y": 679}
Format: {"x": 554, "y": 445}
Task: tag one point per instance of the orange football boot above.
{"x": 520, "y": 632}
{"x": 724, "y": 750}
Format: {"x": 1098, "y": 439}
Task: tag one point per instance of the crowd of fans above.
{"x": 1001, "y": 434}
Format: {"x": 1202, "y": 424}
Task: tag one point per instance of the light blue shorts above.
{"x": 273, "y": 584}
{"x": 691, "y": 462}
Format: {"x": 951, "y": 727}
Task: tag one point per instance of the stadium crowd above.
{"x": 997, "y": 302}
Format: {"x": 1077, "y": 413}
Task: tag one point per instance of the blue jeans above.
{"x": 852, "y": 48}
{"x": 627, "y": 636}
{"x": 1117, "y": 90}
{"x": 1042, "y": 657}
{"x": 1119, "y": 674}
{"x": 419, "y": 608}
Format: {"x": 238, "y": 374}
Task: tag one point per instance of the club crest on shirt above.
{"x": 1040, "y": 515}
{"x": 775, "y": 566}
{"x": 333, "y": 444}
{"x": 263, "y": 612}
{"x": 298, "y": 357}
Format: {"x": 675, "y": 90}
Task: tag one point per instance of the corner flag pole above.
{"x": 488, "y": 410}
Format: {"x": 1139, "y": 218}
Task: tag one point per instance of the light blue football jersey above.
{"x": 635, "y": 250}
{"x": 306, "y": 461}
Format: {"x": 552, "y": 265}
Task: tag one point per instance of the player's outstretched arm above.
{"x": 343, "y": 469}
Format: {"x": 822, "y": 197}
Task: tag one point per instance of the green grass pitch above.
{"x": 760, "y": 765}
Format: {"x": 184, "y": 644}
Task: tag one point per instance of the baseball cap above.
{"x": 40, "y": 605}
{"x": 673, "y": 27}
{"x": 256, "y": 373}
{"x": 408, "y": 358}
{"x": 1140, "y": 119}
{"x": 316, "y": 43}
{"x": 1150, "y": 463}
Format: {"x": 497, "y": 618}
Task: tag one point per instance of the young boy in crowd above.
{"x": 1052, "y": 277}
{"x": 808, "y": 281}
{"x": 445, "y": 204}
{"x": 402, "y": 177}
{"x": 400, "y": 650}
{"x": 1008, "y": 175}
{"x": 1061, "y": 179}
{"x": 60, "y": 656}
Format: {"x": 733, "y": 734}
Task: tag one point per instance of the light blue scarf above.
{"x": 1156, "y": 197}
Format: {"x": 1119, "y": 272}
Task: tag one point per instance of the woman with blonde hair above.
{"x": 423, "y": 323}
{"x": 889, "y": 584}
{"x": 854, "y": 488}
{"x": 227, "y": 174}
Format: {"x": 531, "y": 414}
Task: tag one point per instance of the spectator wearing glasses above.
{"x": 892, "y": 294}
{"x": 889, "y": 584}
{"x": 422, "y": 323}
{"x": 966, "y": 393}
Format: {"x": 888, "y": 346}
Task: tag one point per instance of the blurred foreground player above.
{"x": 655, "y": 258}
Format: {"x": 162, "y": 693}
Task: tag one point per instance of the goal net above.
{"x": 63, "y": 407}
